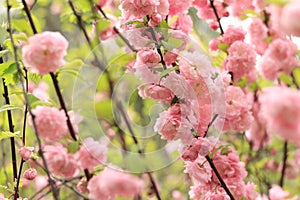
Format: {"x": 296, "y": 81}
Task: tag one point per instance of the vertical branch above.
{"x": 217, "y": 15}
{"x": 19, "y": 71}
{"x": 223, "y": 184}
{"x": 284, "y": 159}
{"x": 11, "y": 129}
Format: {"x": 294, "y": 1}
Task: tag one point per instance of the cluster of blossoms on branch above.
{"x": 202, "y": 96}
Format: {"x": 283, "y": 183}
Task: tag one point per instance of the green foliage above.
{"x": 9, "y": 107}
{"x": 8, "y": 134}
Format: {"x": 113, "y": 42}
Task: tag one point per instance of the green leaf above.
{"x": 73, "y": 147}
{"x": 223, "y": 46}
{"x": 3, "y": 52}
{"x": 4, "y": 67}
{"x": 286, "y": 79}
{"x": 9, "y": 107}
{"x": 296, "y": 75}
{"x": 167, "y": 71}
{"x": 248, "y": 13}
{"x": 277, "y": 2}
{"x": 103, "y": 25}
{"x": 242, "y": 82}
{"x": 173, "y": 43}
{"x": 8, "y": 134}
{"x": 201, "y": 28}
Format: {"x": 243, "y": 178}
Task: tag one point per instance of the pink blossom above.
{"x": 170, "y": 57}
{"x": 148, "y": 57}
{"x": 157, "y": 92}
{"x": 2, "y": 197}
{"x": 26, "y": 152}
{"x": 280, "y": 56}
{"x": 238, "y": 114}
{"x": 30, "y": 174}
{"x": 82, "y": 186}
{"x": 258, "y": 33}
{"x": 251, "y": 194}
{"x": 199, "y": 170}
{"x": 111, "y": 183}
{"x": 40, "y": 90}
{"x": 277, "y": 193}
{"x": 51, "y": 123}
{"x": 139, "y": 8}
{"x": 45, "y": 51}
{"x": 217, "y": 195}
{"x": 177, "y": 6}
{"x": 285, "y": 18}
{"x": 163, "y": 8}
{"x": 233, "y": 34}
{"x": 92, "y": 153}
{"x": 40, "y": 182}
{"x": 281, "y": 115}
{"x": 103, "y": 3}
{"x": 183, "y": 23}
{"x": 241, "y": 61}
{"x": 239, "y": 6}
{"x": 155, "y": 19}
{"x": 59, "y": 161}
{"x": 177, "y": 195}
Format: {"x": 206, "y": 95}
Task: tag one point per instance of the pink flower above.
{"x": 82, "y": 186}
{"x": 51, "y": 122}
{"x": 157, "y": 92}
{"x": 170, "y": 57}
{"x": 183, "y": 23}
{"x": 241, "y": 61}
{"x": 45, "y": 51}
{"x": 281, "y": 112}
{"x": 155, "y": 19}
{"x": 285, "y": 18}
{"x": 40, "y": 90}
{"x": 217, "y": 195}
{"x": 103, "y": 3}
{"x": 2, "y": 197}
{"x": 30, "y": 174}
{"x": 112, "y": 183}
{"x": 139, "y": 8}
{"x": 277, "y": 193}
{"x": 238, "y": 116}
{"x": 92, "y": 153}
{"x": 239, "y": 6}
{"x": 258, "y": 32}
{"x": 233, "y": 34}
{"x": 178, "y": 6}
{"x": 199, "y": 170}
{"x": 280, "y": 56}
{"x": 59, "y": 161}
{"x": 148, "y": 57}
{"x": 26, "y": 152}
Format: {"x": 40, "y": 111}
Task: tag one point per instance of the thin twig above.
{"x": 223, "y": 184}
{"x": 217, "y": 15}
{"x": 284, "y": 160}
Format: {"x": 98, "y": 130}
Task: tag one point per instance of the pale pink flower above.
{"x": 217, "y": 195}
{"x": 277, "y": 193}
{"x": 157, "y": 92}
{"x": 279, "y": 57}
{"x": 178, "y": 6}
{"x": 40, "y": 182}
{"x": 148, "y": 57}
{"x": 258, "y": 33}
{"x": 30, "y": 174}
{"x": 103, "y": 3}
{"x": 238, "y": 115}
{"x": 163, "y": 8}
{"x": 2, "y": 197}
{"x": 233, "y": 34}
{"x": 177, "y": 195}
{"x": 285, "y": 18}
{"x": 251, "y": 194}
{"x": 45, "y": 51}
{"x": 111, "y": 183}
{"x": 239, "y": 6}
{"x": 26, "y": 152}
{"x": 183, "y": 23}
{"x": 170, "y": 57}
{"x": 280, "y": 111}
{"x": 59, "y": 161}
{"x": 241, "y": 61}
{"x": 92, "y": 153}
{"x": 82, "y": 186}
{"x": 199, "y": 170}
{"x": 139, "y": 8}
{"x": 40, "y": 90}
{"x": 51, "y": 123}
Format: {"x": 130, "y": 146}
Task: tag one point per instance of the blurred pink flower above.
{"x": 157, "y": 92}
{"x": 26, "y": 152}
{"x": 92, "y": 153}
{"x": 51, "y": 123}
{"x": 111, "y": 183}
{"x": 45, "y": 51}
{"x": 139, "y": 8}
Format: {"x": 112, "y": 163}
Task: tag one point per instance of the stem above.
{"x": 223, "y": 184}
{"x": 11, "y": 129}
{"x": 53, "y": 188}
{"x": 285, "y": 156}
{"x": 63, "y": 105}
{"x": 27, "y": 11}
{"x": 217, "y": 15}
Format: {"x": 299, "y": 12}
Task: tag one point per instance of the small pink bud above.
{"x": 30, "y": 174}
{"x": 26, "y": 152}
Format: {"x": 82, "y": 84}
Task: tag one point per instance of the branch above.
{"x": 217, "y": 15}
{"x": 223, "y": 184}
{"x": 284, "y": 159}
